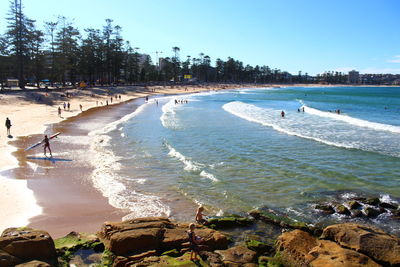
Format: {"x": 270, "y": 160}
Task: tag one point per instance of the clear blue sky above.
{"x": 309, "y": 35}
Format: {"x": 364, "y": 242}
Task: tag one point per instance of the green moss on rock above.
{"x": 229, "y": 221}
{"x": 183, "y": 261}
{"x": 275, "y": 261}
{"x": 172, "y": 253}
{"x": 259, "y": 247}
{"x": 270, "y": 216}
{"x": 107, "y": 258}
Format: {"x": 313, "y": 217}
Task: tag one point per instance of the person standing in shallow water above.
{"x": 8, "y": 126}
{"x": 283, "y": 114}
{"x": 47, "y": 145}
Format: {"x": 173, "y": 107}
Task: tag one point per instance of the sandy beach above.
{"x": 59, "y": 197}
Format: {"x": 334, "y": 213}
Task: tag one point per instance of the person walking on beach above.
{"x": 47, "y": 145}
{"x": 59, "y": 112}
{"x": 69, "y": 106}
{"x": 65, "y": 105}
{"x": 80, "y": 106}
{"x": 8, "y": 126}
{"x": 194, "y": 241}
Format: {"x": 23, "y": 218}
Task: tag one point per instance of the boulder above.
{"x": 259, "y": 247}
{"x": 237, "y": 256}
{"x": 213, "y": 239}
{"x": 229, "y": 221}
{"x": 328, "y": 209}
{"x": 341, "y": 209}
{"x": 134, "y": 241}
{"x": 388, "y": 206}
{"x": 213, "y": 259}
{"x": 143, "y": 255}
{"x": 374, "y": 201}
{"x": 274, "y": 217}
{"x": 160, "y": 234}
{"x": 357, "y": 213}
{"x": 353, "y": 204}
{"x": 329, "y": 253}
{"x": 18, "y": 245}
{"x": 109, "y": 228}
{"x": 34, "y": 264}
{"x": 174, "y": 238}
{"x": 299, "y": 248}
{"x": 373, "y": 242}
{"x": 371, "y": 212}
{"x": 8, "y": 260}
{"x": 294, "y": 247}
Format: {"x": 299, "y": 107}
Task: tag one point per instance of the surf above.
{"x": 324, "y": 130}
{"x": 351, "y": 120}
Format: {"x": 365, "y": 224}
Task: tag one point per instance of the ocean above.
{"x": 232, "y": 151}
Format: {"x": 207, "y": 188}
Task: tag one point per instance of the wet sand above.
{"x": 62, "y": 185}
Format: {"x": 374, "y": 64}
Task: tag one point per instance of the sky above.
{"x": 312, "y": 36}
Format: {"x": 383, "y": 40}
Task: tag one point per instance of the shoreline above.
{"x": 32, "y": 197}
{"x": 18, "y": 191}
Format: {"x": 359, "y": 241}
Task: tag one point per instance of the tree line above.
{"x": 62, "y": 54}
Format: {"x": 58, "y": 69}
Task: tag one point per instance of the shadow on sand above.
{"x": 53, "y": 160}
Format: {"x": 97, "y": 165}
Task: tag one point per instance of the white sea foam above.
{"x": 354, "y": 121}
{"x": 387, "y": 199}
{"x": 168, "y": 116}
{"x": 73, "y": 139}
{"x": 255, "y": 114}
{"x": 106, "y": 179}
{"x": 320, "y": 129}
{"x": 190, "y": 165}
{"x": 114, "y": 125}
{"x": 208, "y": 176}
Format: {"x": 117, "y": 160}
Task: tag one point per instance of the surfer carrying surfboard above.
{"x": 46, "y": 145}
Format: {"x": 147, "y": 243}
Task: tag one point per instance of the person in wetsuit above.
{"x": 47, "y": 145}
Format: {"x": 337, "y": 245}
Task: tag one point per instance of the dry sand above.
{"x": 31, "y": 113}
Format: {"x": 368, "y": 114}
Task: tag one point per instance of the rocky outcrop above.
{"x": 299, "y": 248}
{"x": 271, "y": 216}
{"x": 371, "y": 241}
{"x": 295, "y": 246}
{"x": 229, "y": 221}
{"x": 34, "y": 264}
{"x": 329, "y": 253}
{"x": 160, "y": 234}
{"x": 237, "y": 256}
{"x": 19, "y": 245}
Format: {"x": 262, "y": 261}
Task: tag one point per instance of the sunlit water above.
{"x": 232, "y": 151}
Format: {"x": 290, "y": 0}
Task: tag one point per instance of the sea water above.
{"x": 232, "y": 151}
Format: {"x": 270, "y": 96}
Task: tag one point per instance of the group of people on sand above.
{"x": 181, "y": 101}
{"x": 195, "y": 240}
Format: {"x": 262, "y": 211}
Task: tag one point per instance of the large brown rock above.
{"x": 174, "y": 238}
{"x": 237, "y": 256}
{"x": 299, "y": 248}
{"x": 330, "y": 254}
{"x": 34, "y": 264}
{"x": 373, "y": 242}
{"x": 160, "y": 234}
{"x": 212, "y": 239}
{"x": 294, "y": 247}
{"x": 18, "y": 245}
